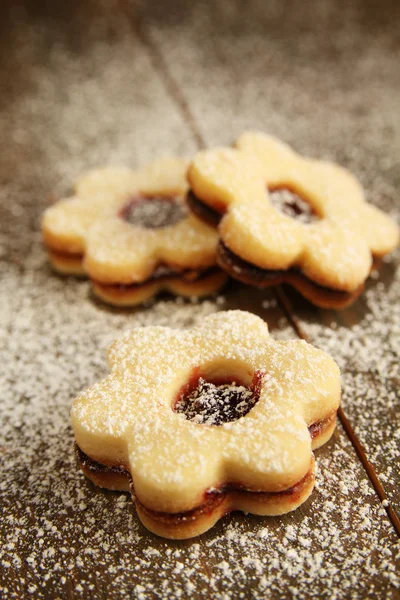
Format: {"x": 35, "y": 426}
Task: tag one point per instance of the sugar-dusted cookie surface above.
{"x": 283, "y": 217}
{"x": 204, "y": 421}
{"x": 131, "y": 233}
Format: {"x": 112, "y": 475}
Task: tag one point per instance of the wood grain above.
{"x": 367, "y": 349}
{"x": 85, "y": 88}
{"x": 270, "y": 64}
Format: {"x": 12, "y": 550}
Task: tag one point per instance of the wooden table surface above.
{"x": 94, "y": 82}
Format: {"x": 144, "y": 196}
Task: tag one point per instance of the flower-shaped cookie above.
{"x": 283, "y": 217}
{"x": 130, "y": 231}
{"x": 209, "y": 420}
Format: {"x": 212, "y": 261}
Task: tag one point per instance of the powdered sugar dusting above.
{"x": 368, "y": 352}
{"x": 59, "y": 530}
{"x": 60, "y": 535}
{"x": 66, "y": 532}
{"x": 292, "y": 205}
{"x": 211, "y": 404}
{"x": 153, "y": 213}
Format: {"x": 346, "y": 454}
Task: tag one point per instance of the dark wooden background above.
{"x": 90, "y": 83}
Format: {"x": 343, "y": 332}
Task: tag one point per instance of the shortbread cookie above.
{"x": 285, "y": 218}
{"x": 131, "y": 232}
{"x": 201, "y": 422}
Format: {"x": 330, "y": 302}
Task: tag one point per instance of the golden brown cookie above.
{"x": 131, "y": 232}
{"x": 285, "y": 218}
{"x": 201, "y": 422}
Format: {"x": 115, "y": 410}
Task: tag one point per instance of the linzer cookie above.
{"x": 131, "y": 232}
{"x": 283, "y": 218}
{"x": 201, "y": 422}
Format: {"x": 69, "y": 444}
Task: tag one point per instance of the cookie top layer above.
{"x": 128, "y": 418}
{"x": 334, "y": 250}
{"x": 109, "y": 221}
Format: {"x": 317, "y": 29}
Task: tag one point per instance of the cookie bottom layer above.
{"x": 205, "y": 283}
{"x": 262, "y": 278}
{"x": 217, "y": 503}
{"x": 220, "y": 503}
{"x": 66, "y": 263}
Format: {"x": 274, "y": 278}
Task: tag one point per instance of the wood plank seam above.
{"x": 358, "y": 447}
{"x": 161, "y": 67}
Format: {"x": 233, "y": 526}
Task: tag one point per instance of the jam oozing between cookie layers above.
{"x": 162, "y": 273}
{"x": 203, "y": 211}
{"x": 251, "y": 275}
{"x": 153, "y": 212}
{"x": 213, "y": 498}
{"x": 219, "y": 400}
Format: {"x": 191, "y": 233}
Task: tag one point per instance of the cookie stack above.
{"x": 197, "y": 423}
{"x": 260, "y": 213}
{"x": 272, "y": 403}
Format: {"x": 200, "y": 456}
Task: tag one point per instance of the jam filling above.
{"x": 250, "y": 274}
{"x": 212, "y": 499}
{"x": 202, "y": 210}
{"x": 245, "y": 271}
{"x": 153, "y": 212}
{"x": 65, "y": 255}
{"x": 319, "y": 427}
{"x": 292, "y": 205}
{"x": 162, "y": 272}
{"x": 217, "y": 401}
{"x": 96, "y": 467}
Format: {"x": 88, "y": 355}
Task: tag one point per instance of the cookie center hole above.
{"x": 218, "y": 400}
{"x": 153, "y": 212}
{"x": 292, "y": 205}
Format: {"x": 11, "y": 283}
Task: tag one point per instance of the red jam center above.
{"x": 153, "y": 212}
{"x": 292, "y": 205}
{"x": 217, "y": 401}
